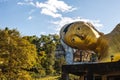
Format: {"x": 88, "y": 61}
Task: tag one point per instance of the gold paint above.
{"x": 80, "y": 36}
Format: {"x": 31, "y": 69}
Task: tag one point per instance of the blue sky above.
{"x": 36, "y": 17}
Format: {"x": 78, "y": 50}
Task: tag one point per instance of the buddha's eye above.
{"x": 73, "y": 40}
{"x": 78, "y": 28}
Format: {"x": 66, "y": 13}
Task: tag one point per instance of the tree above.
{"x": 16, "y": 55}
{"x": 58, "y": 64}
{"x": 46, "y": 45}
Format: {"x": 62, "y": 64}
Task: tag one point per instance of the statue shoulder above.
{"x": 116, "y": 30}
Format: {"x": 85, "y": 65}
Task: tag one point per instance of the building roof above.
{"x": 96, "y": 68}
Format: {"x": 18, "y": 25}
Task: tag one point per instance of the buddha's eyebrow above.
{"x": 66, "y": 29}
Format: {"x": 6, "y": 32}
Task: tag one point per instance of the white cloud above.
{"x": 54, "y": 7}
{"x": 27, "y": 2}
{"x": 50, "y": 13}
{"x": 43, "y": 33}
{"x": 21, "y": 3}
{"x": 47, "y": 6}
{"x": 30, "y": 17}
{"x": 65, "y": 20}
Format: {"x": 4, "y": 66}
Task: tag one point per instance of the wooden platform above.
{"x": 89, "y": 69}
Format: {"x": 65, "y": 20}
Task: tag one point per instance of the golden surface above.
{"x": 80, "y": 35}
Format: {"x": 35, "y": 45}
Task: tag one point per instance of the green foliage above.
{"x": 16, "y": 54}
{"x": 73, "y": 77}
{"x": 46, "y": 51}
{"x": 19, "y": 75}
{"x": 58, "y": 64}
{"x": 28, "y": 57}
{"x": 47, "y": 64}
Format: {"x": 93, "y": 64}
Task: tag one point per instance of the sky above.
{"x": 37, "y": 17}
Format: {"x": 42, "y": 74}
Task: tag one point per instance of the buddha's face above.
{"x": 80, "y": 35}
